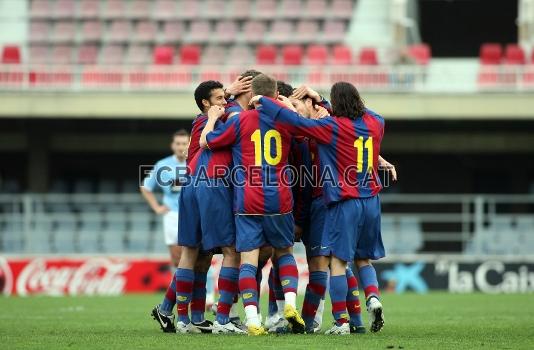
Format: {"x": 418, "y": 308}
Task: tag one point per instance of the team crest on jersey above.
{"x": 181, "y": 298}
{"x": 285, "y": 283}
{"x": 355, "y": 293}
{"x": 247, "y": 295}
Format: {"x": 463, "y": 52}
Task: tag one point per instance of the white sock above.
{"x": 233, "y": 310}
{"x": 319, "y": 314}
{"x": 280, "y": 304}
{"x": 291, "y": 299}
{"x": 252, "y": 316}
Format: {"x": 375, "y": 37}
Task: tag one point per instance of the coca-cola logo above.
{"x": 99, "y": 276}
{"x": 6, "y": 277}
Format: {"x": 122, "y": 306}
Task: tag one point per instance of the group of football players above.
{"x": 248, "y": 145}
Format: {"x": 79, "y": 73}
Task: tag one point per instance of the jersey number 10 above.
{"x": 269, "y": 136}
{"x": 359, "y": 144}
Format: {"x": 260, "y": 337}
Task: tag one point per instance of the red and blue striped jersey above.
{"x": 348, "y": 149}
{"x": 232, "y": 107}
{"x": 205, "y": 162}
{"x": 300, "y": 159}
{"x": 260, "y": 148}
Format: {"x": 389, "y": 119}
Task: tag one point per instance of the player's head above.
{"x": 209, "y": 93}
{"x": 264, "y": 85}
{"x": 346, "y": 100}
{"x": 180, "y": 143}
{"x": 246, "y": 96}
{"x": 284, "y": 88}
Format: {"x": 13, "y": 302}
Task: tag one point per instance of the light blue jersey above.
{"x": 167, "y": 175}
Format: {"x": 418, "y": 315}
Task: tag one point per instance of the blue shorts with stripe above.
{"x": 255, "y": 231}
{"x": 315, "y": 239}
{"x": 206, "y": 217}
{"x": 353, "y": 228}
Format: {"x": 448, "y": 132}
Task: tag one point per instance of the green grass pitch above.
{"x": 433, "y": 321}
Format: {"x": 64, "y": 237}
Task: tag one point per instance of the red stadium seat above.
{"x": 514, "y": 54}
{"x": 92, "y": 31}
{"x": 11, "y": 54}
{"x": 342, "y": 55}
{"x": 420, "y": 53}
{"x": 292, "y": 55}
{"x": 173, "y": 31}
{"x": 317, "y": 54}
{"x": 89, "y": 9}
{"x": 163, "y": 55}
{"x": 491, "y": 53}
{"x": 315, "y": 8}
{"x": 368, "y": 56}
{"x": 88, "y": 54}
{"x": 266, "y": 54}
{"x": 190, "y": 54}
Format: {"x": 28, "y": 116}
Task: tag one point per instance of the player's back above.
{"x": 263, "y": 151}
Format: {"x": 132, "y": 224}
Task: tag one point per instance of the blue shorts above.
{"x": 206, "y": 217}
{"x": 255, "y": 231}
{"x": 353, "y": 228}
{"x": 315, "y": 239}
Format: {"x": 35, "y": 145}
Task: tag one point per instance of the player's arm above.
{"x": 306, "y": 91}
{"x": 239, "y": 86}
{"x": 214, "y": 113}
{"x": 319, "y": 129}
{"x": 390, "y": 168}
{"x": 147, "y": 191}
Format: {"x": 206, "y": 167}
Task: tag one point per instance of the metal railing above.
{"x": 117, "y": 223}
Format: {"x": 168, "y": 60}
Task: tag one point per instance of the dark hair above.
{"x": 284, "y": 88}
{"x": 250, "y": 73}
{"x": 203, "y": 92}
{"x": 346, "y": 100}
{"x": 181, "y": 132}
{"x": 264, "y": 85}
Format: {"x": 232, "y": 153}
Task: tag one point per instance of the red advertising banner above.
{"x": 97, "y": 275}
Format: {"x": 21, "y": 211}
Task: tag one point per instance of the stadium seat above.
{"x": 266, "y": 54}
{"x": 240, "y": 55}
{"x": 317, "y": 55}
{"x": 64, "y": 9}
{"x": 163, "y": 55}
{"x": 38, "y": 54}
{"x": 172, "y": 31}
{"x": 111, "y": 55}
{"x": 39, "y": 32}
{"x": 138, "y": 54}
{"x": 341, "y": 9}
{"x": 368, "y": 56}
{"x": 253, "y": 31}
{"x": 91, "y": 31}
{"x": 514, "y": 55}
{"x": 420, "y": 53}
{"x": 190, "y": 54}
{"x": 225, "y": 32}
{"x": 89, "y": 9}
{"x": 62, "y": 54}
{"x": 490, "y": 53}
{"x": 239, "y": 9}
{"x": 342, "y": 55}
{"x": 279, "y": 31}
{"x": 64, "y": 32}
{"x": 333, "y": 32}
{"x": 265, "y": 9}
{"x": 292, "y": 55}
{"x": 315, "y": 8}
{"x": 213, "y": 9}
{"x": 306, "y": 31}
{"x": 164, "y": 10}
{"x": 213, "y": 55}
{"x": 290, "y": 9}
{"x": 114, "y": 9}
{"x": 189, "y": 9}
{"x": 120, "y": 31}
{"x": 113, "y": 240}
{"x": 87, "y": 54}
{"x": 199, "y": 32}
{"x": 41, "y": 9}
{"x": 145, "y": 31}
{"x": 11, "y": 54}
{"x": 139, "y": 9}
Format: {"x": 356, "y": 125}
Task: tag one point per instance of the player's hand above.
{"x": 390, "y": 168}
{"x": 162, "y": 209}
{"x": 239, "y": 86}
{"x": 304, "y": 91}
{"x": 320, "y": 112}
{"x": 255, "y": 100}
{"x": 286, "y": 102}
{"x": 215, "y": 112}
